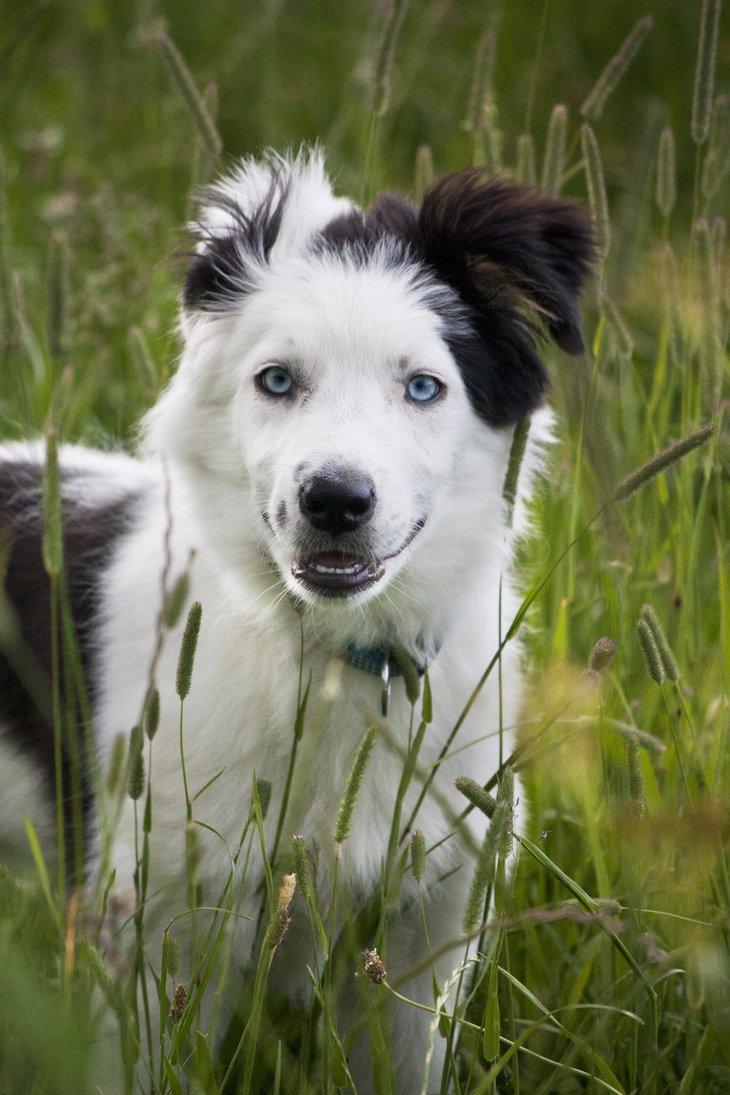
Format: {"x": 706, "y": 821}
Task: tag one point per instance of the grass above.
{"x": 606, "y": 966}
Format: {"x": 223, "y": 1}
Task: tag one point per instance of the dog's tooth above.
{"x": 345, "y": 571}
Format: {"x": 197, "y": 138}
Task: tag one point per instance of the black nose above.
{"x": 337, "y": 504}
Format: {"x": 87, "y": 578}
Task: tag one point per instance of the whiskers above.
{"x": 280, "y": 585}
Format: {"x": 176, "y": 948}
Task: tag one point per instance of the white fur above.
{"x": 25, "y": 795}
{"x": 228, "y": 454}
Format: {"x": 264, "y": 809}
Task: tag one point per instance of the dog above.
{"x": 326, "y": 468}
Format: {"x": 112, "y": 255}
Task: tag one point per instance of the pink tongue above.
{"x": 336, "y": 559}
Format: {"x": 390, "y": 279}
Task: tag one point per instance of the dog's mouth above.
{"x": 336, "y": 574}
{"x": 339, "y": 573}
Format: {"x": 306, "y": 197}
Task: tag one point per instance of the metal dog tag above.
{"x": 385, "y": 682}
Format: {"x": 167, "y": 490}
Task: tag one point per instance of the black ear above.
{"x": 231, "y": 246}
{"x": 517, "y": 258}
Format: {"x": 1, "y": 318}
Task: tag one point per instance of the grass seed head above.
{"x": 280, "y": 921}
{"x": 649, "y": 649}
{"x": 302, "y": 867}
{"x": 394, "y": 12}
{"x": 424, "y": 175}
{"x": 188, "y": 647}
{"x": 669, "y": 662}
{"x": 636, "y": 779}
{"x": 152, "y": 714}
{"x": 506, "y": 799}
{"x": 418, "y": 855}
{"x": 182, "y": 80}
{"x": 602, "y": 654}
{"x": 51, "y": 507}
{"x": 171, "y": 953}
{"x": 554, "y": 162}
{"x": 704, "y": 82}
{"x": 614, "y": 71}
{"x": 135, "y": 777}
{"x": 286, "y": 891}
{"x": 179, "y": 1000}
{"x": 476, "y": 795}
{"x": 409, "y": 669}
{"x": 483, "y": 877}
{"x": 661, "y": 460}
{"x": 352, "y": 787}
{"x": 373, "y": 966}
{"x": 514, "y": 463}
{"x": 526, "y": 159}
{"x": 596, "y": 184}
{"x": 666, "y": 176}
{"x": 264, "y": 787}
{"x": 277, "y": 929}
{"x": 116, "y": 764}
{"x": 481, "y": 89}
{"x": 176, "y": 598}
{"x": 136, "y": 739}
{"x": 714, "y": 168}
{"x": 192, "y": 849}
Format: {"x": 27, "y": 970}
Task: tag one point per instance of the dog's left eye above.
{"x": 275, "y": 380}
{"x": 422, "y": 388}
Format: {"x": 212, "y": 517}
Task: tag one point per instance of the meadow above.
{"x": 606, "y": 963}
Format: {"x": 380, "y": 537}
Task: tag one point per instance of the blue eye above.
{"x": 422, "y": 388}
{"x": 275, "y": 380}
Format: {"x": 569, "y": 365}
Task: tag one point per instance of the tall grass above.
{"x": 602, "y": 930}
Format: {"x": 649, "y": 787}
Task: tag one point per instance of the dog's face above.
{"x": 341, "y": 368}
{"x": 349, "y": 416}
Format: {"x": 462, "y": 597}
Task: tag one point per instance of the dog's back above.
{"x": 99, "y": 493}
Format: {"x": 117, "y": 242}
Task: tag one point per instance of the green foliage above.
{"x": 610, "y": 966}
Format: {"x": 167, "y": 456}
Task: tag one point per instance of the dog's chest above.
{"x": 310, "y": 746}
{"x": 239, "y": 721}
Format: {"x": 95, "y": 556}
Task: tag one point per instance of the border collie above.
{"x": 328, "y": 462}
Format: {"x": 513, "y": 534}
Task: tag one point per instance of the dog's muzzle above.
{"x": 337, "y": 503}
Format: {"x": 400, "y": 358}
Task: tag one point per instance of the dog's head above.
{"x": 350, "y": 377}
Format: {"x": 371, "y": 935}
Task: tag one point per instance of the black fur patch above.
{"x": 510, "y": 260}
{"x": 219, "y": 273}
{"x": 516, "y": 259}
{"x": 90, "y": 533}
{"x": 359, "y": 232}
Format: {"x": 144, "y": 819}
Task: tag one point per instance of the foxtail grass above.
{"x": 182, "y": 79}
{"x": 553, "y": 164}
{"x": 637, "y": 789}
{"x": 514, "y": 463}
{"x": 352, "y": 787}
{"x": 526, "y": 169}
{"x": 424, "y": 174}
{"x": 666, "y": 655}
{"x": 704, "y": 82}
{"x": 663, "y": 460}
{"x": 380, "y": 85}
{"x": 666, "y": 179}
{"x": 596, "y": 186}
{"x": 592, "y": 107}
{"x": 584, "y": 992}
{"x": 602, "y": 654}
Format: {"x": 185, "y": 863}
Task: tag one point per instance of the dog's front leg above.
{"x": 417, "y": 951}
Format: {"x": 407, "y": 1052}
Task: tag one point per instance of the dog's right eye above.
{"x": 275, "y": 380}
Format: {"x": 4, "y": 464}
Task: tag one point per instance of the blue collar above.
{"x": 383, "y": 663}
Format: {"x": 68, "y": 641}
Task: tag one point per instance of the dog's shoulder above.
{"x": 100, "y": 494}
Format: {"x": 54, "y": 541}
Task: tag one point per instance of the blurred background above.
{"x": 99, "y": 151}
{"x": 98, "y": 142}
